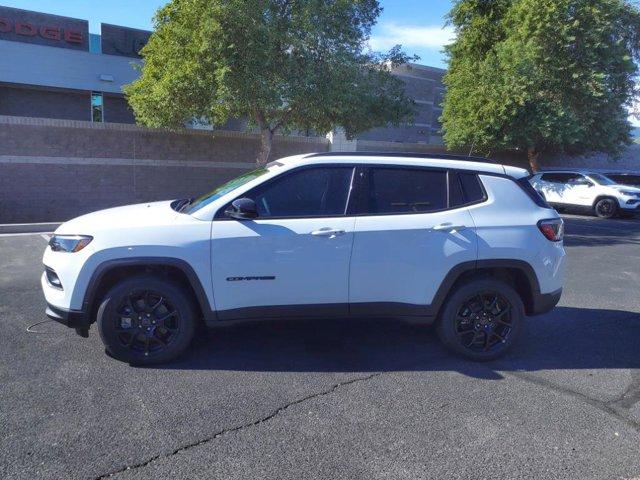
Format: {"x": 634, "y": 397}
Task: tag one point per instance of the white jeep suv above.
{"x": 457, "y": 241}
{"x": 585, "y": 190}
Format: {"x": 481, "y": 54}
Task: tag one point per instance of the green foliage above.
{"x": 285, "y": 64}
{"x": 541, "y": 75}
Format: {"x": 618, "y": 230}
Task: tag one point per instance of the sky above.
{"x": 418, "y": 25}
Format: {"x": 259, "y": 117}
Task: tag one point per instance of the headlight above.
{"x": 630, "y": 194}
{"x": 69, "y": 243}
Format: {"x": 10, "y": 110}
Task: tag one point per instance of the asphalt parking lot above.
{"x": 339, "y": 399}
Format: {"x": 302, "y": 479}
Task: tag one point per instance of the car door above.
{"x": 409, "y": 234}
{"x": 579, "y": 190}
{"x": 293, "y": 259}
{"x": 552, "y": 186}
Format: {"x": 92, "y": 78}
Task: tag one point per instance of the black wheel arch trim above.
{"x": 538, "y": 304}
{"x": 98, "y": 274}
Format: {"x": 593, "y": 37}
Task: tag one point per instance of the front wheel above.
{"x": 481, "y": 319}
{"x": 606, "y": 208}
{"x": 146, "y": 320}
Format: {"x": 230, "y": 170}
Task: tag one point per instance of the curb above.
{"x": 28, "y": 227}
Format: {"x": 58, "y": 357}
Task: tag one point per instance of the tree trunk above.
{"x": 532, "y": 155}
{"x": 266, "y": 140}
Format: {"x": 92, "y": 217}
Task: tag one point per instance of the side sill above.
{"x": 416, "y": 313}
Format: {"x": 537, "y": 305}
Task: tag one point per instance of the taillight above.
{"x": 553, "y": 229}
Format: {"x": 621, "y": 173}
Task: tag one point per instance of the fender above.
{"x": 456, "y": 272}
{"x": 209, "y": 314}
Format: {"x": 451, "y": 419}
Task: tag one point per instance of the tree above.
{"x": 284, "y": 64}
{"x": 541, "y": 75}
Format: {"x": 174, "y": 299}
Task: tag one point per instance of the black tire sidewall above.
{"x": 613, "y": 212}
{"x": 173, "y": 292}
{"x": 446, "y": 322}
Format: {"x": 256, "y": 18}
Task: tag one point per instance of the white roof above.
{"x": 453, "y": 162}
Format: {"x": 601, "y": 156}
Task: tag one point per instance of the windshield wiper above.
{"x": 180, "y": 205}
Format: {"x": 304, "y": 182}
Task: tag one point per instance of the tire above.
{"x": 160, "y": 327}
{"x": 606, "y": 208}
{"x": 464, "y": 329}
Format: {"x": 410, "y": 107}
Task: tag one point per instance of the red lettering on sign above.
{"x": 26, "y": 29}
{"x": 5, "y": 25}
{"x": 73, "y": 36}
{"x": 50, "y": 33}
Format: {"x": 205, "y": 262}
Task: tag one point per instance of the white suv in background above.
{"x": 584, "y": 190}
{"x": 457, "y": 241}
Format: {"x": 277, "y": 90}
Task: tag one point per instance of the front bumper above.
{"x": 544, "y": 302}
{"x": 69, "y": 318}
{"x": 75, "y": 319}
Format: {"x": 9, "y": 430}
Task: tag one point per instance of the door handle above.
{"x": 449, "y": 227}
{"x": 327, "y": 232}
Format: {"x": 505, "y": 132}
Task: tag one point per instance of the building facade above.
{"x": 52, "y": 67}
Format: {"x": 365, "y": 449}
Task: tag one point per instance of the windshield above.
{"x": 223, "y": 189}
{"x": 601, "y": 179}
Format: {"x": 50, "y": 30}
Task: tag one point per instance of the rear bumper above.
{"x": 71, "y": 318}
{"x": 545, "y": 302}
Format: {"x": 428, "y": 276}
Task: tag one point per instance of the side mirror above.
{"x": 242, "y": 209}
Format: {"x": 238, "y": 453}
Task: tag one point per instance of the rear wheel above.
{"x": 481, "y": 319}
{"x": 606, "y": 208}
{"x": 146, "y": 320}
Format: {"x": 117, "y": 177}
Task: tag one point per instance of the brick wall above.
{"x": 53, "y": 170}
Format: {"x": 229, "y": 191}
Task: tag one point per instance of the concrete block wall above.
{"x": 54, "y": 170}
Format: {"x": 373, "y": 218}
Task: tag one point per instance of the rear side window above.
{"x": 472, "y": 188}
{"x": 309, "y": 192}
{"x": 465, "y": 189}
{"x": 557, "y": 177}
{"x": 406, "y": 190}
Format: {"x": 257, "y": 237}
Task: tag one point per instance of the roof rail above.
{"x": 430, "y": 156}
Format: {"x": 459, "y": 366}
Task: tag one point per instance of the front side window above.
{"x": 97, "y": 107}
{"x": 406, "y": 190}
{"x": 309, "y": 192}
{"x": 601, "y": 179}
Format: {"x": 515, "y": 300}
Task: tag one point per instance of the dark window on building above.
{"x": 309, "y": 192}
{"x": 625, "y": 179}
{"x": 97, "y": 107}
{"x": 400, "y": 190}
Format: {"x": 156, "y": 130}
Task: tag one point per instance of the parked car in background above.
{"x": 586, "y": 191}
{"x": 467, "y": 245}
{"x": 625, "y": 178}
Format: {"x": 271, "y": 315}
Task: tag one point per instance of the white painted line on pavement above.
{"x": 2, "y": 235}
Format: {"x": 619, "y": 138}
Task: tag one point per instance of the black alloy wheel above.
{"x": 145, "y": 320}
{"x": 481, "y": 319}
{"x": 606, "y": 208}
{"x": 483, "y": 322}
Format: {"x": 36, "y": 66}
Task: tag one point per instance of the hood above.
{"x": 129, "y": 216}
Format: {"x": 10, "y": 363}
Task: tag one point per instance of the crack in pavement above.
{"x": 219, "y": 434}
{"x": 604, "y": 407}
